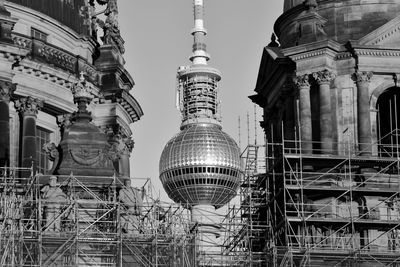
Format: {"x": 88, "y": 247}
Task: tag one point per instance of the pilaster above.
{"x": 6, "y": 90}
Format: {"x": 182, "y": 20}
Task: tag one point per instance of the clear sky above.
{"x": 158, "y": 41}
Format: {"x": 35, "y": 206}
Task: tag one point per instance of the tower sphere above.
{"x": 201, "y": 165}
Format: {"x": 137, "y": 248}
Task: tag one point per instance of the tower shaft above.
{"x": 199, "y": 33}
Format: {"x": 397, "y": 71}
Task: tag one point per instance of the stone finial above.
{"x": 362, "y": 76}
{"x": 302, "y": 80}
{"x": 323, "y": 77}
{"x": 6, "y": 90}
{"x": 273, "y": 42}
{"x": 82, "y": 88}
{"x": 28, "y": 105}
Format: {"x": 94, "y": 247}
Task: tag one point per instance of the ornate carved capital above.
{"x": 323, "y": 77}
{"x": 28, "y": 105}
{"x": 114, "y": 132}
{"x": 129, "y": 144}
{"x": 362, "y": 77}
{"x": 6, "y": 90}
{"x": 302, "y": 81}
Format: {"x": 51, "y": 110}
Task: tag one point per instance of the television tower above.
{"x": 200, "y": 166}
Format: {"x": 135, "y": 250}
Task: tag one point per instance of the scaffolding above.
{"x": 325, "y": 208}
{"x": 83, "y": 222}
{"x": 329, "y": 208}
{"x": 246, "y": 224}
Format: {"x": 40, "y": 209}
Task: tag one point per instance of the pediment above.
{"x": 388, "y": 35}
{"x": 272, "y": 60}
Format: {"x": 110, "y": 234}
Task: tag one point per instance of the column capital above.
{"x": 28, "y": 105}
{"x": 323, "y": 77}
{"x": 362, "y": 76}
{"x": 129, "y": 144}
{"x": 6, "y": 90}
{"x": 302, "y": 81}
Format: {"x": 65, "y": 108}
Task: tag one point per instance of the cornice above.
{"x": 316, "y": 49}
{"x": 374, "y": 52}
{"x": 129, "y": 103}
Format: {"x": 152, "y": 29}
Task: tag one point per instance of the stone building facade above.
{"x": 66, "y": 107}
{"x": 329, "y": 90}
{"x": 46, "y": 47}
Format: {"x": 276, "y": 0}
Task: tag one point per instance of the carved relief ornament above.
{"x": 323, "y": 77}
{"x": 28, "y": 105}
{"x": 302, "y": 81}
{"x": 6, "y": 90}
{"x": 362, "y": 76}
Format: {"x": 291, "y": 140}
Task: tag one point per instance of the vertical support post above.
{"x": 303, "y": 85}
{"x": 362, "y": 80}
{"x": 323, "y": 79}
{"x": 28, "y": 107}
{"x": 124, "y": 164}
{"x": 6, "y": 90}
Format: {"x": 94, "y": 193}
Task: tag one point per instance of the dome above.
{"x": 345, "y": 20}
{"x": 68, "y": 12}
{"x": 201, "y": 165}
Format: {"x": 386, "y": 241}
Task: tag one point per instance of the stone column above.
{"x": 303, "y": 85}
{"x": 28, "y": 107}
{"x": 6, "y": 90}
{"x": 323, "y": 79}
{"x": 362, "y": 80}
{"x": 124, "y": 163}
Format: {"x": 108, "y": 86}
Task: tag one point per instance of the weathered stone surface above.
{"x": 346, "y": 20}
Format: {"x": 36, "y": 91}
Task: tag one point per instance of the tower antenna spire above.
{"x": 198, "y": 82}
{"x": 200, "y": 55}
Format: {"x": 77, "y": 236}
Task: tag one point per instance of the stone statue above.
{"x": 112, "y": 35}
{"x": 53, "y": 197}
{"x": 131, "y": 199}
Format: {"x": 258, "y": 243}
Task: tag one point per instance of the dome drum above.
{"x": 66, "y": 12}
{"x": 346, "y": 20}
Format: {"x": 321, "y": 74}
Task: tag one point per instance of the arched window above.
{"x": 388, "y": 122}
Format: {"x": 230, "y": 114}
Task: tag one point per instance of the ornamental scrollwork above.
{"x": 302, "y": 80}
{"x": 6, "y": 90}
{"x": 28, "y": 105}
{"x": 323, "y": 77}
{"x": 362, "y": 76}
